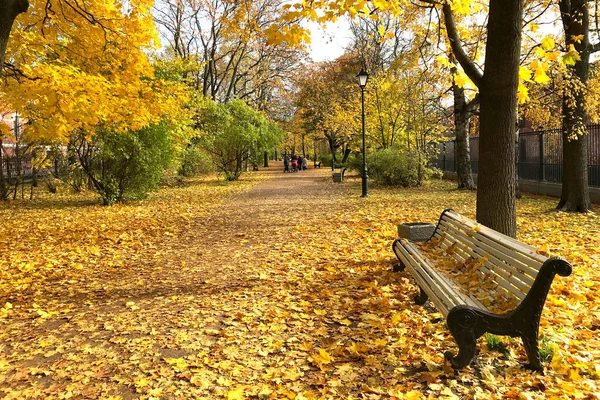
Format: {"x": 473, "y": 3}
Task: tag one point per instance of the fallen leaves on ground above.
{"x": 279, "y": 287}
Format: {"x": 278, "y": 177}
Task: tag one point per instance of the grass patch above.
{"x": 546, "y": 349}
{"x": 494, "y": 343}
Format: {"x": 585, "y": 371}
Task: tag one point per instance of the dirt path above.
{"x": 226, "y": 306}
{"x": 283, "y": 291}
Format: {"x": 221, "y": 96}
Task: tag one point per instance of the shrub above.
{"x": 195, "y": 161}
{"x": 128, "y": 165}
{"x": 325, "y": 159}
{"x": 392, "y": 166}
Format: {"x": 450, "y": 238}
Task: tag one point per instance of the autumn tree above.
{"x": 328, "y": 103}
{"x": 234, "y": 133}
{"x": 225, "y": 40}
{"x": 75, "y": 68}
{"x": 498, "y": 83}
{"x": 496, "y": 206}
{"x": 576, "y": 24}
{"x": 463, "y": 111}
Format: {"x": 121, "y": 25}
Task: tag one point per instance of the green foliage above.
{"x": 494, "y": 343}
{"x": 546, "y": 349}
{"x": 195, "y": 161}
{"x": 234, "y": 133}
{"x": 396, "y": 167}
{"x": 126, "y": 166}
{"x": 325, "y": 159}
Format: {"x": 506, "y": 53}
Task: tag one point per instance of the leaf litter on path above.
{"x": 279, "y": 286}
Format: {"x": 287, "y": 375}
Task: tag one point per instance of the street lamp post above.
{"x": 363, "y": 77}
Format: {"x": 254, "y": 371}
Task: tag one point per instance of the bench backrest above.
{"x": 511, "y": 264}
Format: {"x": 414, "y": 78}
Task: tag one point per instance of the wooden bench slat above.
{"x": 514, "y": 291}
{"x": 431, "y": 276}
{"x": 507, "y": 269}
{"x": 497, "y": 267}
{"x": 440, "y": 299}
{"x": 506, "y": 240}
{"x": 441, "y": 281}
{"x": 528, "y": 265}
{"x": 514, "y": 286}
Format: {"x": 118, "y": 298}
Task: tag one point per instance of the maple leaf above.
{"x": 236, "y": 394}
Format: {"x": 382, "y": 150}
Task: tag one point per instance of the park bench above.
{"x": 514, "y": 276}
{"x": 339, "y": 176}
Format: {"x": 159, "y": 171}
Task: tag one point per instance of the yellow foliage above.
{"x": 85, "y": 67}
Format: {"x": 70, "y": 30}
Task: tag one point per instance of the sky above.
{"x": 330, "y": 43}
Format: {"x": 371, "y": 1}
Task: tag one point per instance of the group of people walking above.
{"x": 294, "y": 163}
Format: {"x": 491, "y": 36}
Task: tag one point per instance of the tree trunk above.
{"x": 496, "y": 205}
{"x": 266, "y": 163}
{"x": 3, "y": 182}
{"x": 347, "y": 152}
{"x": 462, "y": 114}
{"x": 575, "y": 188}
{"x": 332, "y": 149}
{"x": 9, "y": 9}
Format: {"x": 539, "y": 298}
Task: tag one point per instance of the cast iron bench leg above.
{"x": 399, "y": 267}
{"x": 463, "y": 323}
{"x": 530, "y": 342}
{"x": 422, "y": 297}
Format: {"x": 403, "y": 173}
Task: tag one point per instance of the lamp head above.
{"x": 362, "y": 78}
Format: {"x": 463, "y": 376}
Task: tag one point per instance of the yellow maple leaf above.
{"x": 322, "y": 357}
{"x": 525, "y": 74}
{"x": 522, "y": 94}
{"x": 236, "y": 394}
{"x": 548, "y": 43}
{"x": 461, "y": 80}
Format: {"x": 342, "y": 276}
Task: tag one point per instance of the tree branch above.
{"x": 468, "y": 65}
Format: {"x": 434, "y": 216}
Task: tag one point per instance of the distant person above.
{"x": 294, "y": 164}
{"x": 304, "y": 163}
{"x": 286, "y": 164}
{"x": 299, "y": 163}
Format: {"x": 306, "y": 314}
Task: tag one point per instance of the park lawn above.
{"x": 111, "y": 302}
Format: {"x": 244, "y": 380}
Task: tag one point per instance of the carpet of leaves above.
{"x": 274, "y": 287}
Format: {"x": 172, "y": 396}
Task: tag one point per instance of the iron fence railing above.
{"x": 539, "y": 155}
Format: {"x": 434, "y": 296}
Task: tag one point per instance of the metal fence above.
{"x": 539, "y": 155}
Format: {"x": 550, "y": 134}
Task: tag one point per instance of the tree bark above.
{"x": 347, "y": 152}
{"x": 496, "y": 204}
{"x": 266, "y": 163}
{"x": 9, "y": 9}
{"x": 462, "y": 115}
{"x": 575, "y": 188}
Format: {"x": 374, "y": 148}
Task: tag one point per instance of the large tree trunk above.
{"x": 575, "y": 189}
{"x": 462, "y": 114}
{"x": 9, "y": 9}
{"x": 496, "y": 205}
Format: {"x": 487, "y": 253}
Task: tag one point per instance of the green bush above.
{"x": 325, "y": 160}
{"x": 395, "y": 167}
{"x": 195, "y": 161}
{"x": 128, "y": 165}
{"x": 350, "y": 162}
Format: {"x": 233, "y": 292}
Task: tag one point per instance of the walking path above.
{"x": 251, "y": 299}
{"x": 283, "y": 291}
